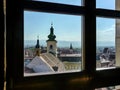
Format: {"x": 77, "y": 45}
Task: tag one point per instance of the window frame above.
{"x": 88, "y": 79}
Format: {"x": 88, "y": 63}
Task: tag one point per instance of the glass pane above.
{"x": 52, "y": 43}
{"x": 71, "y": 2}
{"x": 106, "y": 47}
{"x": 105, "y": 4}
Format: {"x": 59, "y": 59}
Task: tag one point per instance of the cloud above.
{"x": 107, "y": 34}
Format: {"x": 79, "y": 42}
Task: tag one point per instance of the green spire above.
{"x": 37, "y": 45}
{"x": 51, "y": 36}
{"x": 71, "y": 46}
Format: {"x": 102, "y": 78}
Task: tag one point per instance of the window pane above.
{"x": 71, "y": 2}
{"x": 52, "y": 43}
{"x": 105, "y": 4}
{"x": 106, "y": 47}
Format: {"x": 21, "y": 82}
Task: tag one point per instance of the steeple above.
{"x": 51, "y": 42}
{"x": 37, "y": 47}
{"x": 71, "y": 46}
{"x": 51, "y": 36}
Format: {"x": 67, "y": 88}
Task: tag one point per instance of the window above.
{"x": 106, "y": 46}
{"x": 88, "y": 79}
{"x": 54, "y": 47}
{"x": 107, "y": 53}
{"x": 106, "y": 5}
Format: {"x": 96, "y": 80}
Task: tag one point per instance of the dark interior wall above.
{"x": 1, "y": 45}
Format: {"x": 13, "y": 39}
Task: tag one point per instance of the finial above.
{"x": 51, "y": 23}
{"x": 71, "y": 46}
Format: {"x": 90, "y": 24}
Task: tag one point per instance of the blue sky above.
{"x": 107, "y": 4}
{"x": 67, "y": 27}
{"x": 71, "y": 2}
{"x": 105, "y": 31}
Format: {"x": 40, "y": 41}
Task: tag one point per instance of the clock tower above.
{"x": 51, "y": 42}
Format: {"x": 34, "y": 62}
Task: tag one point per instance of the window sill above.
{"x": 105, "y": 68}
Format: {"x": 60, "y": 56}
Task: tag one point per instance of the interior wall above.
{"x": 117, "y": 36}
{"x": 117, "y": 39}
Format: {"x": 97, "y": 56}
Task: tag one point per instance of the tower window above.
{"x": 51, "y": 47}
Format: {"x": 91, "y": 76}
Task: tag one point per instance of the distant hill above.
{"x": 105, "y": 43}
{"x": 75, "y": 44}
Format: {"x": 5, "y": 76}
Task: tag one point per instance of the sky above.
{"x": 71, "y": 2}
{"x": 67, "y": 27}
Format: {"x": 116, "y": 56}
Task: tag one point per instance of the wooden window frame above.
{"x": 88, "y": 79}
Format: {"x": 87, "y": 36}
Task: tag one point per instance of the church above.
{"x": 52, "y": 60}
{"x": 46, "y": 62}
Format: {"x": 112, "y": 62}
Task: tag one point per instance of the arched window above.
{"x": 51, "y": 46}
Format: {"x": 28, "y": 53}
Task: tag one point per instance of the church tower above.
{"x": 51, "y": 42}
{"x": 37, "y": 48}
{"x": 71, "y": 48}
